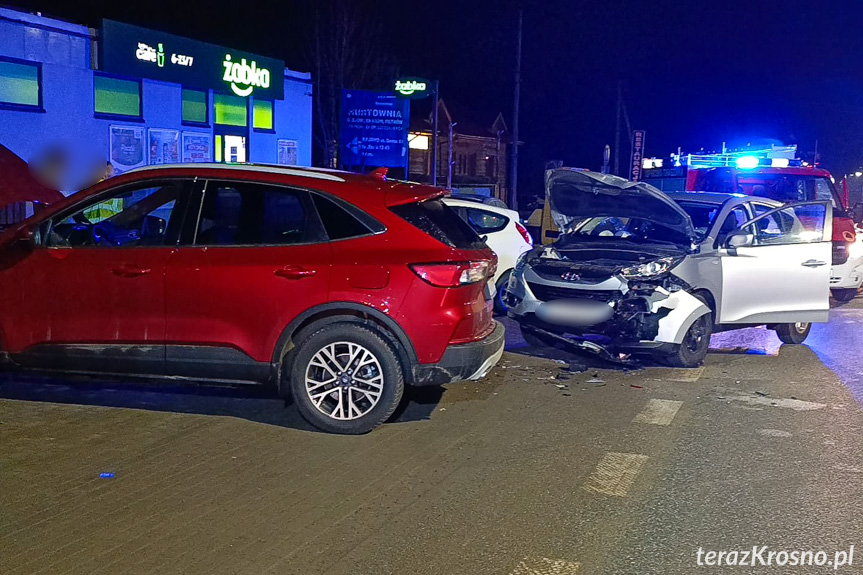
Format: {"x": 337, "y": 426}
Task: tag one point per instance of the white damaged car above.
{"x": 638, "y": 271}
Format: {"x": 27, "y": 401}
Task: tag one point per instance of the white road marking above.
{"x": 756, "y": 340}
{"x": 615, "y": 474}
{"x": 795, "y": 404}
{"x": 773, "y": 433}
{"x": 544, "y": 566}
{"x": 658, "y": 412}
{"x": 687, "y": 375}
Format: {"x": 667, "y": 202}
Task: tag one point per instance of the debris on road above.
{"x": 106, "y": 475}
{"x": 576, "y": 367}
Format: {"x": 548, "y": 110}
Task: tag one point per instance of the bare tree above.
{"x": 346, "y": 52}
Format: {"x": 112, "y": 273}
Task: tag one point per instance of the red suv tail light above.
{"x": 453, "y": 274}
{"x": 524, "y": 233}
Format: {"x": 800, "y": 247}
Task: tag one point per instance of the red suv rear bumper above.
{"x": 463, "y": 361}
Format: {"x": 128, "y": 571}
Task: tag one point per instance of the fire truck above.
{"x": 774, "y": 173}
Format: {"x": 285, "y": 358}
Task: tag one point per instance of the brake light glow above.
{"x": 453, "y": 274}
{"x": 524, "y": 233}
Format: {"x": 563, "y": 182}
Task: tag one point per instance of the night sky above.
{"x": 695, "y": 74}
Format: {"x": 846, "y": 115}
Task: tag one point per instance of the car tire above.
{"x": 844, "y": 295}
{"x": 346, "y": 405}
{"x": 500, "y": 306}
{"x": 793, "y": 333}
{"x": 696, "y": 342}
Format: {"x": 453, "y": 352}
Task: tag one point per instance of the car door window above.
{"x": 246, "y": 214}
{"x": 789, "y": 225}
{"x": 824, "y": 191}
{"x": 340, "y": 224}
{"x": 135, "y": 216}
{"x": 485, "y": 222}
{"x": 736, "y": 218}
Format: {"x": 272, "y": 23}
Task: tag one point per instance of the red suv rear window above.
{"x": 440, "y": 222}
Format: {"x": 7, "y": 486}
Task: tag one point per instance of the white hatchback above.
{"x": 503, "y": 233}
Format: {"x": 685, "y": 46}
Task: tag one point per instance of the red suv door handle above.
{"x": 294, "y": 273}
{"x": 128, "y": 271}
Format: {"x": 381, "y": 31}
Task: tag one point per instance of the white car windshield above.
{"x": 702, "y": 215}
{"x": 634, "y": 229}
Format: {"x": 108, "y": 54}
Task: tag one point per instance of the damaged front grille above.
{"x": 547, "y": 293}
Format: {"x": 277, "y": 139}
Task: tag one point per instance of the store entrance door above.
{"x": 231, "y": 145}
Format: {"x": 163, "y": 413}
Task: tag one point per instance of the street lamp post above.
{"x": 434, "y": 136}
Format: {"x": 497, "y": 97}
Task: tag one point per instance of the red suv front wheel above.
{"x": 346, "y": 379}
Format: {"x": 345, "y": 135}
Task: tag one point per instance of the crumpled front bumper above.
{"x": 470, "y": 361}
{"x": 577, "y": 313}
{"x": 848, "y": 275}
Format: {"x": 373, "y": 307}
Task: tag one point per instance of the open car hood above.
{"x": 17, "y": 184}
{"x": 575, "y": 195}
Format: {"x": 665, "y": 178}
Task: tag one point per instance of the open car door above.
{"x": 776, "y": 267}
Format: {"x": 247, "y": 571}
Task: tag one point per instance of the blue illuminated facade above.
{"x": 52, "y": 87}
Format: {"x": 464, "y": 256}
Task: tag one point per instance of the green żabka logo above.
{"x": 243, "y": 77}
{"x": 408, "y": 87}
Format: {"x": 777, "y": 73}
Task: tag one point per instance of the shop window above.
{"x": 231, "y": 110}
{"x": 116, "y": 97}
{"x": 262, "y": 115}
{"x": 20, "y": 84}
{"x": 490, "y": 167}
{"x": 194, "y": 107}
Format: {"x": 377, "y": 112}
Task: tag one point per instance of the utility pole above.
{"x": 434, "y": 136}
{"x": 499, "y": 133}
{"x": 449, "y": 156}
{"x": 513, "y": 184}
{"x": 617, "y": 129}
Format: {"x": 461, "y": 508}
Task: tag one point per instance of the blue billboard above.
{"x": 374, "y": 130}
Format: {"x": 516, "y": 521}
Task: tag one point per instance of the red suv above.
{"x": 341, "y": 288}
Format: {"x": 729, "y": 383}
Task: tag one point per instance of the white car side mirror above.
{"x": 739, "y": 239}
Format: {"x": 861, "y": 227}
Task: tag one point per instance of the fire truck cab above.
{"x": 777, "y": 174}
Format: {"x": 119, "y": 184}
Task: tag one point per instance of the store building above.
{"x": 143, "y": 97}
{"x": 472, "y": 155}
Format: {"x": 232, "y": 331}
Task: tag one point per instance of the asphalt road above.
{"x": 527, "y": 472}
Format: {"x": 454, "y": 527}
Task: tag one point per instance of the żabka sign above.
{"x": 248, "y": 76}
{"x": 131, "y": 51}
{"x": 412, "y": 88}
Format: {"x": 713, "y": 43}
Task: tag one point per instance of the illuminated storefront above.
{"x": 144, "y": 97}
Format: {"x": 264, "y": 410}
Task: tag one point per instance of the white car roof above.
{"x": 719, "y": 198}
{"x": 512, "y": 214}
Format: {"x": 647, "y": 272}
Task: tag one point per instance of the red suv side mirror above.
{"x": 24, "y": 238}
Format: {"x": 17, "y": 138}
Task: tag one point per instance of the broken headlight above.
{"x": 650, "y": 269}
